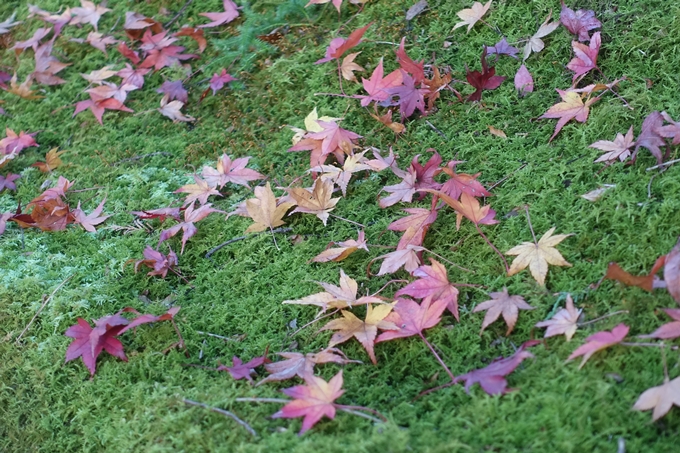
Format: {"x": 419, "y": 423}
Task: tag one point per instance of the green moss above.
{"x": 137, "y": 406}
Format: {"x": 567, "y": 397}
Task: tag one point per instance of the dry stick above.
{"x": 240, "y": 238}
{"x": 45, "y": 302}
{"x": 651, "y": 345}
{"x": 177, "y": 16}
{"x": 222, "y": 412}
{"x": 665, "y": 164}
{"x": 261, "y": 400}
{"x": 498, "y": 252}
{"x": 425, "y": 392}
{"x": 665, "y": 365}
{"x": 386, "y": 284}
{"x": 435, "y": 129}
{"x": 439, "y": 359}
{"x": 347, "y": 220}
{"x": 601, "y": 318}
{"x": 313, "y": 321}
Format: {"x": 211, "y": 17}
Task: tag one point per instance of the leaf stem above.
{"x": 262, "y": 400}
{"x": 439, "y": 359}
{"x": 347, "y": 220}
{"x": 355, "y": 410}
{"x": 649, "y": 345}
{"x": 531, "y": 227}
{"x": 505, "y": 263}
{"x": 450, "y": 262}
{"x": 388, "y": 283}
{"x": 313, "y": 321}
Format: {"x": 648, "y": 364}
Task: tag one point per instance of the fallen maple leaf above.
{"x": 264, "y": 211}
{"x": 586, "y": 56}
{"x": 15, "y": 143}
{"x": 297, "y": 364}
{"x": 8, "y": 23}
{"x": 671, "y": 131}
{"x": 229, "y": 171}
{"x": 671, "y": 272}
{"x": 497, "y": 132}
{"x": 415, "y": 226}
{"x": 436, "y": 84}
{"x": 579, "y": 22}
{"x": 618, "y": 149}
{"x": 343, "y": 296}
{"x": 46, "y": 65}
{"x": 22, "y": 90}
{"x": 89, "y": 342}
{"x": 89, "y": 221}
{"x": 318, "y": 201}
{"x": 341, "y": 176}
{"x": 312, "y": 401}
{"x": 661, "y": 398}
{"x": 196, "y": 34}
{"x": 492, "y": 377}
{"x": 338, "y": 46}
{"x": 470, "y": 16}
{"x": 406, "y": 258}
{"x": 572, "y": 107}
{"x": 538, "y": 256}
{"x": 172, "y": 110}
{"x": 410, "y": 98}
{"x": 502, "y": 47}
{"x": 174, "y": 90}
{"x": 136, "y": 23}
{"x": 468, "y": 207}
{"x": 157, "y": 261}
{"x": 33, "y": 42}
{"x": 669, "y": 330}
{"x": 646, "y": 282}
{"x": 524, "y": 83}
{"x": 564, "y": 322}
{"x": 505, "y": 304}
{"x": 485, "y": 80}
{"x": 99, "y": 41}
{"x": 52, "y": 161}
{"x": 98, "y": 76}
{"x": 200, "y": 191}
{"x": 649, "y": 137}
{"x": 131, "y": 76}
{"x": 230, "y": 13}
{"x": 412, "y": 318}
{"x": 7, "y": 182}
{"x": 334, "y": 138}
{"x": 340, "y": 253}
{"x": 433, "y": 282}
{"x": 128, "y": 53}
{"x": 415, "y": 68}
{"x": 386, "y": 119}
{"x": 159, "y": 51}
{"x": 217, "y": 81}
{"x": 240, "y": 370}
{"x": 161, "y": 214}
{"x": 364, "y": 331}
{"x": 459, "y": 183}
{"x": 599, "y": 341}
{"x": 535, "y": 43}
{"x": 348, "y": 67}
{"x": 88, "y": 13}
{"x": 191, "y": 215}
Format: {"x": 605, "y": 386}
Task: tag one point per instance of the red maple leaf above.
{"x": 460, "y": 183}
{"x": 377, "y": 85}
{"x": 415, "y": 68}
{"x": 485, "y": 80}
{"x": 157, "y": 261}
{"x": 312, "y": 401}
{"x": 586, "y": 56}
{"x": 433, "y": 282}
{"x": 240, "y": 370}
{"x": 339, "y": 46}
{"x": 90, "y": 342}
{"x": 191, "y": 215}
{"x": 492, "y": 378}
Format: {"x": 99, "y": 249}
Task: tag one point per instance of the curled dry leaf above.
{"x": 265, "y": 210}
{"x": 318, "y": 201}
{"x": 535, "y": 43}
{"x": 596, "y": 194}
{"x": 52, "y": 161}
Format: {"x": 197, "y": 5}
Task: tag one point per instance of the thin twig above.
{"x": 498, "y": 252}
{"x": 44, "y": 304}
{"x": 665, "y": 365}
{"x": 531, "y": 227}
{"x": 361, "y": 408}
{"x": 215, "y": 335}
{"x": 432, "y": 390}
{"x": 222, "y": 412}
{"x": 665, "y": 164}
{"x": 347, "y": 220}
{"x": 602, "y": 317}
{"x": 179, "y": 13}
{"x": 650, "y": 345}
{"x": 435, "y": 129}
{"x": 439, "y": 359}
{"x": 182, "y": 277}
{"x": 261, "y": 400}
{"x": 359, "y": 414}
{"x": 385, "y": 286}
{"x": 501, "y": 181}
{"x": 143, "y": 156}
{"x": 450, "y": 262}
{"x": 240, "y": 238}
{"x": 313, "y": 321}
{"x": 179, "y": 335}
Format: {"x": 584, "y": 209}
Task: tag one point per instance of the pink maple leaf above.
{"x": 376, "y": 86}
{"x": 586, "y": 56}
{"x": 191, "y": 215}
{"x": 599, "y": 341}
{"x": 89, "y": 221}
{"x": 334, "y": 137}
{"x": 230, "y": 13}
{"x": 227, "y": 171}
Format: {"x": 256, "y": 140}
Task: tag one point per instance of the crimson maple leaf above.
{"x": 90, "y": 342}
{"x": 191, "y": 215}
{"x": 485, "y": 80}
{"x": 157, "y": 261}
{"x": 377, "y": 86}
{"x": 312, "y": 401}
{"x": 492, "y": 378}
{"x": 240, "y": 370}
{"x": 433, "y": 282}
{"x": 415, "y": 68}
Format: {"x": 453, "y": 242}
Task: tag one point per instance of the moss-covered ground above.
{"x": 46, "y": 405}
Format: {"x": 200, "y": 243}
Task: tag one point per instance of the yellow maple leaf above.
{"x": 538, "y": 255}
{"x": 318, "y": 201}
{"x": 264, "y": 210}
